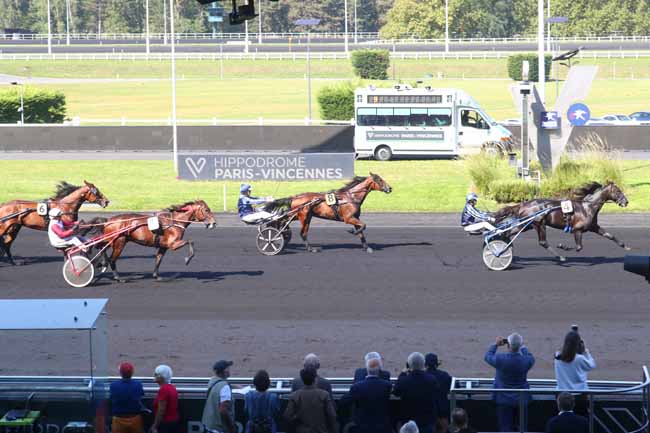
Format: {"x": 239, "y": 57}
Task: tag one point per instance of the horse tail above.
{"x": 507, "y": 212}
{"x": 94, "y": 227}
{"x": 279, "y": 204}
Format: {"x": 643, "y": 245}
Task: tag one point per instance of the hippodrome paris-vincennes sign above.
{"x": 266, "y": 166}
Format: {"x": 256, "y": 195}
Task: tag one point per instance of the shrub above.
{"x": 513, "y": 191}
{"x": 515, "y": 61}
{"x": 336, "y": 102}
{"x": 485, "y": 169}
{"x": 41, "y": 106}
{"x": 371, "y": 64}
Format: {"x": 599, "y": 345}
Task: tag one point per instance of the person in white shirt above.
{"x": 573, "y": 364}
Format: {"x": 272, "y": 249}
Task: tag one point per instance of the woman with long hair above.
{"x": 572, "y": 366}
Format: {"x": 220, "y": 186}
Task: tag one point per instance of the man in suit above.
{"x": 361, "y": 373}
{"x": 511, "y": 372}
{"x": 371, "y": 398}
{"x": 444, "y": 382}
{"x": 310, "y": 409}
{"x": 567, "y": 421}
{"x": 418, "y": 391}
{"x": 312, "y": 362}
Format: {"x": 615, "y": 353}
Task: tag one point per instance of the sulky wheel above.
{"x": 78, "y": 271}
{"x": 270, "y": 241}
{"x": 497, "y": 255}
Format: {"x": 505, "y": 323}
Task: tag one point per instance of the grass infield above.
{"x": 418, "y": 186}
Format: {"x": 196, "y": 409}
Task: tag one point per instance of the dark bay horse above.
{"x": 345, "y": 205}
{"x": 173, "y": 222}
{"x": 17, "y": 214}
{"x": 587, "y": 203}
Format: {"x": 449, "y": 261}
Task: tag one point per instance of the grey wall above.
{"x": 331, "y": 138}
{"x": 617, "y": 137}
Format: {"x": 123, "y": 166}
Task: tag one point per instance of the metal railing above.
{"x": 469, "y": 389}
{"x": 125, "y": 121}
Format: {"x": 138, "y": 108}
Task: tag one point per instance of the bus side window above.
{"x": 367, "y": 116}
{"x": 418, "y": 117}
{"x": 439, "y": 117}
{"x": 400, "y": 117}
{"x": 472, "y": 119}
{"x": 384, "y": 116}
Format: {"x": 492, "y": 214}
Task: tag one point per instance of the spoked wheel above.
{"x": 497, "y": 255}
{"x": 270, "y": 241}
{"x": 78, "y": 271}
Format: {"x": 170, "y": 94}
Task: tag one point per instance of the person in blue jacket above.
{"x": 247, "y": 212}
{"x": 511, "y": 373}
{"x": 472, "y": 219}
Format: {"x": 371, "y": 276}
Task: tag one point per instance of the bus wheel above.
{"x": 383, "y": 153}
{"x": 492, "y": 148}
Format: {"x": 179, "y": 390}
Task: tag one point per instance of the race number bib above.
{"x": 330, "y": 199}
{"x": 153, "y": 224}
{"x": 567, "y": 206}
{"x": 42, "y": 209}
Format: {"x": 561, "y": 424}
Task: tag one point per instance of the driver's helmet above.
{"x": 471, "y": 196}
{"x": 55, "y": 212}
{"x": 245, "y": 187}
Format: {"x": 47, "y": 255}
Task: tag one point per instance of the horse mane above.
{"x": 179, "y": 207}
{"x": 507, "y": 211}
{"x": 585, "y": 190}
{"x": 64, "y": 189}
{"x": 351, "y": 184}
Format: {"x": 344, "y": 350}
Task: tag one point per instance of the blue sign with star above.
{"x": 578, "y": 114}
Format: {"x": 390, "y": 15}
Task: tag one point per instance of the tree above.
{"x": 415, "y": 18}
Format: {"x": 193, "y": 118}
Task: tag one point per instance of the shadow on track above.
{"x": 375, "y": 246}
{"x": 521, "y": 262}
{"x": 203, "y": 276}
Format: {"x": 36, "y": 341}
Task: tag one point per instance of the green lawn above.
{"x": 418, "y": 186}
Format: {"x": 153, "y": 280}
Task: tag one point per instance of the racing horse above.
{"x": 17, "y": 214}
{"x": 173, "y": 222}
{"x": 587, "y": 202}
{"x": 343, "y": 204}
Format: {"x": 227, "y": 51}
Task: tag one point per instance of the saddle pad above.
{"x": 330, "y": 199}
{"x": 153, "y": 224}
{"x": 42, "y": 209}
{"x": 567, "y": 206}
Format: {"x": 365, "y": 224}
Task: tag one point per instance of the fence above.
{"x": 63, "y": 394}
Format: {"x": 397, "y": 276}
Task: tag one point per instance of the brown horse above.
{"x": 344, "y": 205}
{"x": 173, "y": 222}
{"x": 17, "y": 214}
{"x": 587, "y": 203}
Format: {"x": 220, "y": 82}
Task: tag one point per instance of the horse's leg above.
{"x": 577, "y": 236}
{"x": 8, "y": 240}
{"x": 180, "y": 244}
{"x": 359, "y": 228}
{"x": 541, "y": 238}
{"x": 305, "y": 220}
{"x": 118, "y": 247}
{"x": 159, "y": 256}
{"x": 604, "y": 233}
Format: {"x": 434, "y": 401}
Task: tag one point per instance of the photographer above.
{"x": 572, "y": 365}
{"x": 511, "y": 373}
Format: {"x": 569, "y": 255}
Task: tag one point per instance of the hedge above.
{"x": 40, "y": 105}
{"x": 513, "y": 191}
{"x": 337, "y": 101}
{"x": 371, "y": 64}
{"x": 515, "y": 61}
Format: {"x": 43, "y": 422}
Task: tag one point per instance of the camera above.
{"x": 505, "y": 342}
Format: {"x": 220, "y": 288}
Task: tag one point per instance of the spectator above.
{"x": 165, "y": 406}
{"x": 444, "y": 382}
{"x": 511, "y": 372}
{"x": 361, "y": 373}
{"x": 419, "y": 392}
{"x": 409, "y": 427}
{"x": 460, "y": 422}
{"x": 312, "y": 362}
{"x": 371, "y": 397}
{"x": 219, "y": 410}
{"x": 262, "y": 407}
{"x": 567, "y": 421}
{"x": 126, "y": 402}
{"x": 573, "y": 363}
{"x": 310, "y": 409}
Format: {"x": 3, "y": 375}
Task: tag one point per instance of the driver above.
{"x": 245, "y": 205}
{"x": 473, "y": 220}
{"x": 61, "y": 232}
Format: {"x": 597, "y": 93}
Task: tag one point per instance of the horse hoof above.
{"x": 562, "y": 259}
{"x": 314, "y": 250}
{"x": 188, "y": 260}
{"x": 159, "y": 279}
{"x": 627, "y": 248}
{"x": 119, "y": 280}
{"x": 370, "y": 250}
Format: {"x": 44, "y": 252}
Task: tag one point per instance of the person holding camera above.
{"x": 572, "y": 366}
{"x": 511, "y": 373}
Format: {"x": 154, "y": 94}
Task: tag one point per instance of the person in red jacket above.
{"x": 61, "y": 233}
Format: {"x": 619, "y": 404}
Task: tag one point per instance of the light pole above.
{"x": 541, "y": 67}
{"x": 174, "y": 122}
{"x": 308, "y": 23}
{"x": 345, "y": 13}
{"x": 67, "y": 22}
{"x": 164, "y": 22}
{"x": 49, "y": 29}
{"x": 446, "y": 26}
{"x": 146, "y": 24}
{"x": 22, "y": 101}
{"x": 356, "y": 40}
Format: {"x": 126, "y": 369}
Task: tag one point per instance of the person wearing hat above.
{"x": 444, "y": 382}
{"x": 219, "y": 410}
{"x": 247, "y": 212}
{"x": 126, "y": 402}
{"x": 61, "y": 233}
{"x": 472, "y": 219}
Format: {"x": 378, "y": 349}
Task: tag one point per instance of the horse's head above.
{"x": 379, "y": 184}
{"x": 94, "y": 195}
{"x": 615, "y": 194}
{"x": 202, "y": 213}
